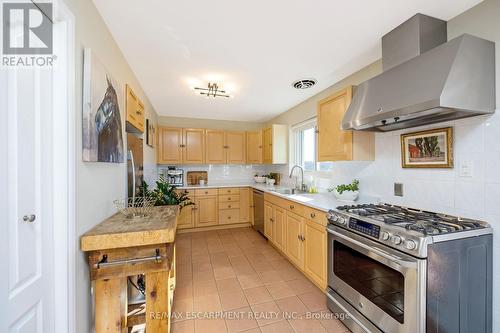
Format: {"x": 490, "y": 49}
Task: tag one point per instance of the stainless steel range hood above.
{"x": 423, "y": 83}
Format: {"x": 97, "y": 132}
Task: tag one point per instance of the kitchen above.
{"x": 388, "y": 224}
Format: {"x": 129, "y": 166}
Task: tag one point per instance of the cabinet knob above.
{"x": 298, "y": 236}
{"x": 228, "y": 206}
{"x": 313, "y": 215}
{"x": 228, "y": 199}
{"x": 292, "y": 206}
{"x": 229, "y": 217}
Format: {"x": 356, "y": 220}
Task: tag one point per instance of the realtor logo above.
{"x": 27, "y": 28}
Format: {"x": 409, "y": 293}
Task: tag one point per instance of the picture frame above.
{"x": 102, "y": 126}
{"x": 150, "y": 133}
{"x": 427, "y": 149}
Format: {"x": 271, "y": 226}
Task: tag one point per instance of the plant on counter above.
{"x": 165, "y": 194}
{"x": 352, "y": 187}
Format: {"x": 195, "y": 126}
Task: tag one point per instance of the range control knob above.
{"x": 411, "y": 245}
{"x": 385, "y": 235}
{"x": 341, "y": 220}
{"x": 334, "y": 217}
{"x": 396, "y": 239}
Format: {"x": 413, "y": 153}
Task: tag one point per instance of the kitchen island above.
{"x": 120, "y": 247}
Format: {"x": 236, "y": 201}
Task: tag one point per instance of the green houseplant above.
{"x": 165, "y": 194}
{"x": 347, "y": 192}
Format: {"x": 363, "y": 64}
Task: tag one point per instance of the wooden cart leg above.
{"x": 157, "y": 303}
{"x": 111, "y": 306}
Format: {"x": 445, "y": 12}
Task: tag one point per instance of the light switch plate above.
{"x": 466, "y": 169}
{"x": 398, "y": 189}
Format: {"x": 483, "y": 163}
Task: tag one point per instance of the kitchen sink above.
{"x": 289, "y": 191}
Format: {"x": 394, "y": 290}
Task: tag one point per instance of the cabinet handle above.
{"x": 292, "y": 206}
{"x": 229, "y": 217}
{"x": 313, "y": 215}
{"x": 298, "y": 236}
{"x": 206, "y": 192}
{"x": 228, "y": 199}
{"x": 271, "y": 220}
{"x": 228, "y": 206}
{"x": 138, "y": 112}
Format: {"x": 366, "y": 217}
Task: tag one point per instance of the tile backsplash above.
{"x": 225, "y": 173}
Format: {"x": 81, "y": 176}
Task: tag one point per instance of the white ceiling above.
{"x": 257, "y": 48}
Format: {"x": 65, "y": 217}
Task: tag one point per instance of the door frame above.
{"x": 64, "y": 164}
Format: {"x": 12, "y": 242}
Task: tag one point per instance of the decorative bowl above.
{"x": 135, "y": 206}
{"x": 260, "y": 180}
{"x": 270, "y": 181}
{"x": 346, "y": 195}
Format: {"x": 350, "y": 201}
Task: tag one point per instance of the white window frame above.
{"x": 296, "y": 144}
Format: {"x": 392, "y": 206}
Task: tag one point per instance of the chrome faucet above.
{"x": 302, "y": 186}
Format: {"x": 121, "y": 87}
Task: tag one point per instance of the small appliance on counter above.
{"x": 173, "y": 176}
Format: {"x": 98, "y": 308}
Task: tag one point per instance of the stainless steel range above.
{"x": 396, "y": 269}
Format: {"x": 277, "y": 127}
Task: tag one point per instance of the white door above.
{"x": 26, "y": 185}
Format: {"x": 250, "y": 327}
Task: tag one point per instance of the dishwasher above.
{"x": 258, "y": 211}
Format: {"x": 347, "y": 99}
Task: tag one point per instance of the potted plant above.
{"x": 346, "y": 192}
{"x": 165, "y": 194}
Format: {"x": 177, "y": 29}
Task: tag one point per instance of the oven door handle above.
{"x": 380, "y": 252}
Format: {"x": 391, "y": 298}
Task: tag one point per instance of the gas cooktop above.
{"x": 427, "y": 223}
{"x": 406, "y": 229}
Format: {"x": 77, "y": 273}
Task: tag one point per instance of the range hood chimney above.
{"x": 425, "y": 80}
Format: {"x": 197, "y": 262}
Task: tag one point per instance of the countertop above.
{"x": 320, "y": 201}
{"x": 119, "y": 231}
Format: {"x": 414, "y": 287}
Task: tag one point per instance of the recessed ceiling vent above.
{"x": 304, "y": 83}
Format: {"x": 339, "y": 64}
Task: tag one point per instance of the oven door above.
{"x": 384, "y": 285}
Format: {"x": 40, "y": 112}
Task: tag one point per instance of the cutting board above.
{"x": 193, "y": 177}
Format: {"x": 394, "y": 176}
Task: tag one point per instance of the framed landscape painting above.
{"x": 428, "y": 149}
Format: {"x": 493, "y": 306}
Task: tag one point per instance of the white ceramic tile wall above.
{"x": 221, "y": 174}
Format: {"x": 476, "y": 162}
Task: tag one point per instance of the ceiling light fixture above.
{"x": 212, "y": 91}
{"x": 304, "y": 83}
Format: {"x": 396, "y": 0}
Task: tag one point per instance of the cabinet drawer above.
{"x": 231, "y": 191}
{"x": 315, "y": 215}
{"x": 228, "y": 216}
{"x": 229, "y": 205}
{"x": 229, "y": 198}
{"x": 205, "y": 192}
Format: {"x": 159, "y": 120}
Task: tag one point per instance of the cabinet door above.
{"x": 315, "y": 252}
{"x": 140, "y": 115}
{"x": 254, "y": 147}
{"x": 244, "y": 205}
{"x": 268, "y": 146}
{"x": 131, "y": 107}
{"x": 235, "y": 147}
{"x": 215, "y": 151}
{"x": 279, "y": 227}
{"x": 194, "y": 146}
{"x": 294, "y": 244}
{"x": 206, "y": 211}
{"x": 333, "y": 143}
{"x": 185, "y": 219}
{"x": 169, "y": 145}
{"x": 268, "y": 221}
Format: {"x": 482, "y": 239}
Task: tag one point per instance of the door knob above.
{"x": 29, "y": 218}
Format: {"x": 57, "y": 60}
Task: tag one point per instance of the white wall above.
{"x": 98, "y": 184}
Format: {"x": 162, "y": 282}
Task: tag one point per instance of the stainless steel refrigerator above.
{"x": 135, "y": 163}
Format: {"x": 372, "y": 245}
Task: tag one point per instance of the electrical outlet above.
{"x": 466, "y": 169}
{"x": 398, "y": 189}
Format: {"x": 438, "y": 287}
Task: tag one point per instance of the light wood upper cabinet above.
{"x": 315, "y": 252}
{"x": 235, "y": 147}
{"x": 294, "y": 243}
{"x": 181, "y": 145}
{"x": 134, "y": 109}
{"x": 169, "y": 145}
{"x": 254, "y": 147}
{"x": 279, "y": 227}
{"x": 193, "y": 146}
{"x": 335, "y": 144}
{"x": 275, "y": 144}
{"x": 206, "y": 211}
{"x": 215, "y": 151}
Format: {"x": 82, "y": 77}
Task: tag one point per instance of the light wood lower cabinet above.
{"x": 245, "y": 205}
{"x": 299, "y": 232}
{"x": 206, "y": 211}
{"x": 315, "y": 252}
{"x": 185, "y": 219}
{"x": 268, "y": 221}
{"x": 294, "y": 243}
{"x": 279, "y": 227}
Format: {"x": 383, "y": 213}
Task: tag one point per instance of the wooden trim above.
{"x": 215, "y": 227}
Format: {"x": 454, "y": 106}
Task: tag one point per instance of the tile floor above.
{"x": 235, "y": 272}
